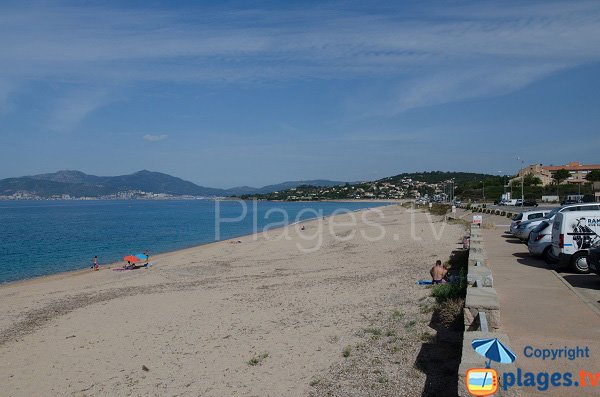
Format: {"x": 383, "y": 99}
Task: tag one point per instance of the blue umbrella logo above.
{"x": 493, "y": 350}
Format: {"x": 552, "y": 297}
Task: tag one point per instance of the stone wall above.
{"x": 481, "y": 312}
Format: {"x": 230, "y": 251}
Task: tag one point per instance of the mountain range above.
{"x": 79, "y": 184}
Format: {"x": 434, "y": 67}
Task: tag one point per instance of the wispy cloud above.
{"x": 431, "y": 55}
{"x": 155, "y": 138}
{"x": 74, "y": 106}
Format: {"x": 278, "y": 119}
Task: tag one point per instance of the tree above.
{"x": 560, "y": 176}
{"x": 530, "y": 179}
{"x": 593, "y": 176}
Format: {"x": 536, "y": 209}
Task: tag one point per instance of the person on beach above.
{"x": 95, "y": 264}
{"x": 438, "y": 273}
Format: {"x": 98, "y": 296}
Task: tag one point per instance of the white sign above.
{"x": 430, "y": 205}
{"x": 477, "y": 219}
{"x": 454, "y": 209}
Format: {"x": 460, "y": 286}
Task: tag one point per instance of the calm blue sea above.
{"x": 44, "y": 237}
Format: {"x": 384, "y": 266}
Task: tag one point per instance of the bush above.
{"x": 439, "y": 209}
{"x": 450, "y": 312}
{"x": 444, "y": 292}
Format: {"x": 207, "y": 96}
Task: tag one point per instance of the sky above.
{"x": 231, "y": 93}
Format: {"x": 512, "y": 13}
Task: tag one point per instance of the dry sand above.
{"x": 191, "y": 324}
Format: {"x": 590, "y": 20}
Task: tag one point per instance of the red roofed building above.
{"x": 577, "y": 170}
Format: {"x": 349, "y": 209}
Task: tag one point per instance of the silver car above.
{"x": 524, "y": 229}
{"x": 540, "y": 241}
{"x": 526, "y": 216}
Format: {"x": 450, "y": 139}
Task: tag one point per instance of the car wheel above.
{"x": 547, "y": 255}
{"x": 579, "y": 262}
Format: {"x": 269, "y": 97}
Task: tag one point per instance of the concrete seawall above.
{"x": 481, "y": 311}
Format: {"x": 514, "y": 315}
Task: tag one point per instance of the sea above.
{"x": 39, "y": 238}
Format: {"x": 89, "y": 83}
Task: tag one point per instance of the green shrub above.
{"x": 439, "y": 209}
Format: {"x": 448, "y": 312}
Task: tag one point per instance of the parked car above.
{"x": 540, "y": 241}
{"x": 525, "y": 227}
{"x": 527, "y": 203}
{"x": 573, "y": 234}
{"x": 526, "y": 216}
{"x": 594, "y": 260}
{"x": 567, "y": 202}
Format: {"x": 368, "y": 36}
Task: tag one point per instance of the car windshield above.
{"x": 541, "y": 227}
{"x": 552, "y": 213}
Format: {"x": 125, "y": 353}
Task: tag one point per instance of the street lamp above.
{"x": 483, "y": 182}
{"x": 522, "y": 177}
{"x": 503, "y": 181}
{"x": 453, "y": 189}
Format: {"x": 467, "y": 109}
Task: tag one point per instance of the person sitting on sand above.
{"x": 438, "y": 273}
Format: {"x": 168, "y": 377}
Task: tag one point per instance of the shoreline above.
{"x": 304, "y": 304}
{"x": 68, "y": 274}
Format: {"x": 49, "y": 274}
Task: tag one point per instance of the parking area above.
{"x": 539, "y": 307}
{"x": 586, "y": 286}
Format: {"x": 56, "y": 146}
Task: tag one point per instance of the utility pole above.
{"x": 522, "y": 177}
{"x": 453, "y": 189}
{"x": 483, "y": 181}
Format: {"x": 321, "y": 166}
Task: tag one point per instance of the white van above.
{"x": 573, "y": 234}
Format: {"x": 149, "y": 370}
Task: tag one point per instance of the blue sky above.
{"x": 253, "y": 93}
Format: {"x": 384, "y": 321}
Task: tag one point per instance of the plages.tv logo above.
{"x": 483, "y": 382}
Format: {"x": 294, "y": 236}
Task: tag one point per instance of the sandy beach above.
{"x": 274, "y": 315}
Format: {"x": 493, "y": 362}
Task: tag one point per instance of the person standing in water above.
{"x": 95, "y": 264}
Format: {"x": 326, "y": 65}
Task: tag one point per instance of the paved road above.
{"x": 588, "y": 285}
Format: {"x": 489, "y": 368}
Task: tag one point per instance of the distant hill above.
{"x": 79, "y": 184}
{"x": 440, "y": 176}
{"x": 246, "y": 190}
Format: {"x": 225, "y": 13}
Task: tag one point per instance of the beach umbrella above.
{"x": 142, "y": 257}
{"x": 493, "y": 350}
{"x": 132, "y": 259}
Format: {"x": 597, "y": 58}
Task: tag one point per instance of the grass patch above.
{"x": 258, "y": 359}
{"x": 375, "y": 332}
{"x": 410, "y": 325}
{"x": 397, "y": 315}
